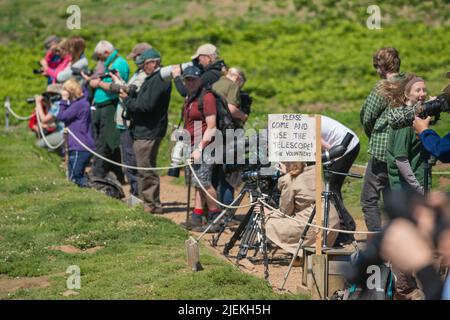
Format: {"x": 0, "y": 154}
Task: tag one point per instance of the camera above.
{"x": 48, "y": 97}
{"x": 77, "y": 72}
{"x": 246, "y": 102}
{"x": 130, "y": 89}
{"x": 179, "y": 151}
{"x": 433, "y": 108}
{"x": 38, "y": 71}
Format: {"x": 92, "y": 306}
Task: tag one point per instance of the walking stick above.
{"x": 66, "y": 151}
{"x": 188, "y": 209}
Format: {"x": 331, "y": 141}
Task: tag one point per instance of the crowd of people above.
{"x": 124, "y": 117}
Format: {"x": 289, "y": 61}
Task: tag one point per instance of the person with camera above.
{"x": 405, "y": 154}
{"x": 373, "y": 117}
{"x": 105, "y": 102}
{"x": 406, "y": 161}
{"x": 333, "y": 133}
{"x": 47, "y": 109}
{"x": 76, "y": 47}
{"x": 229, "y": 87}
{"x": 297, "y": 200}
{"x": 52, "y": 57}
{"x": 149, "y": 119}
{"x": 207, "y": 59}
{"x": 435, "y": 145}
{"x": 122, "y": 123}
{"x": 63, "y": 50}
{"x": 201, "y": 125}
{"x": 76, "y": 115}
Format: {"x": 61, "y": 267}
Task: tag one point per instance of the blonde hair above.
{"x": 295, "y": 168}
{"x": 234, "y": 71}
{"x": 73, "y": 88}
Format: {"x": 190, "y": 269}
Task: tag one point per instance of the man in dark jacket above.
{"x": 148, "y": 112}
{"x": 207, "y": 59}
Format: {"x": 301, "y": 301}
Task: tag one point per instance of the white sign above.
{"x": 292, "y": 137}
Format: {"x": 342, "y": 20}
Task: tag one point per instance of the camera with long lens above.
{"x": 179, "y": 152}
{"x": 166, "y": 72}
{"x": 38, "y": 70}
{"x": 49, "y": 97}
{"x": 434, "y": 108}
{"x": 130, "y": 89}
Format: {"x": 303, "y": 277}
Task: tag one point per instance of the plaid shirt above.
{"x": 374, "y": 120}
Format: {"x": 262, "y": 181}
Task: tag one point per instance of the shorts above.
{"x": 203, "y": 171}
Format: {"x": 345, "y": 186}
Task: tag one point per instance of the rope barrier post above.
{"x": 319, "y": 212}
{"x": 7, "y": 106}
{"x": 66, "y": 151}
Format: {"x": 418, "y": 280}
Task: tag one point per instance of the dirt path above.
{"x": 174, "y": 197}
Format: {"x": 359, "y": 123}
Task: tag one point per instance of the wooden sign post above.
{"x": 319, "y": 212}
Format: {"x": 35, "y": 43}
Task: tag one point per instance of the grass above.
{"x": 143, "y": 256}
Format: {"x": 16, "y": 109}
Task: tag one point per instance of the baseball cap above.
{"x": 148, "y": 54}
{"x": 205, "y": 49}
{"x": 192, "y": 72}
{"x": 138, "y": 49}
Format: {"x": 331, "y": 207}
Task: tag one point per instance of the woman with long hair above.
{"x": 76, "y": 47}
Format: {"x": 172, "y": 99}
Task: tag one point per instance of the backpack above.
{"x": 224, "y": 118}
{"x": 107, "y": 186}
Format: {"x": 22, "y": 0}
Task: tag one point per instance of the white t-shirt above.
{"x": 333, "y": 132}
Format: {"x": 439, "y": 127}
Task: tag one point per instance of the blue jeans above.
{"x": 78, "y": 161}
{"x": 225, "y": 192}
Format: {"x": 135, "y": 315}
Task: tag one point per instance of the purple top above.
{"x": 77, "y": 117}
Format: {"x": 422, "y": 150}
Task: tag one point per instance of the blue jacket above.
{"x": 435, "y": 145}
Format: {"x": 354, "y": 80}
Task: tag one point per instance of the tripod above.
{"x": 231, "y": 212}
{"x": 327, "y": 196}
{"x": 251, "y": 231}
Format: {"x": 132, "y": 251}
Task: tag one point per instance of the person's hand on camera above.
{"x": 123, "y": 94}
{"x": 85, "y": 76}
{"x": 95, "y": 83}
{"x": 421, "y": 125}
{"x": 176, "y": 71}
{"x": 115, "y": 77}
{"x": 65, "y": 95}
{"x": 405, "y": 247}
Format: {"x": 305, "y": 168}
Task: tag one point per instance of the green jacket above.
{"x": 148, "y": 111}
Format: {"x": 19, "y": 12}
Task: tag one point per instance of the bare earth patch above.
{"x": 74, "y": 250}
{"x": 8, "y": 284}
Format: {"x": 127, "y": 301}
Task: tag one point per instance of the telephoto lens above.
{"x": 177, "y": 158}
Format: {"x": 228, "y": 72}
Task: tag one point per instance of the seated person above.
{"x": 298, "y": 199}
{"x": 47, "y": 119}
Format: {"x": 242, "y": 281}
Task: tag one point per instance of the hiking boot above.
{"x": 153, "y": 210}
{"x": 215, "y": 227}
{"x": 194, "y": 223}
